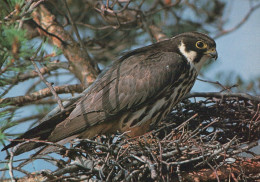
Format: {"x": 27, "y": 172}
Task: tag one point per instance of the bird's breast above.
{"x": 156, "y": 110}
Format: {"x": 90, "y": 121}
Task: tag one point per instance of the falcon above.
{"x": 135, "y": 93}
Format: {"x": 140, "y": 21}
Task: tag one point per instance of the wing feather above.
{"x": 138, "y": 79}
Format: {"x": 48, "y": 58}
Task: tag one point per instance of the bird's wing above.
{"x": 128, "y": 84}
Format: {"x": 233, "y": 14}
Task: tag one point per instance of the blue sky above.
{"x": 239, "y": 52}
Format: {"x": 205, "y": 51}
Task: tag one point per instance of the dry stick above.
{"x": 224, "y": 88}
{"x": 149, "y": 163}
{"x": 48, "y": 85}
{"x": 150, "y": 166}
{"x": 179, "y": 173}
{"x": 214, "y": 82}
{"x": 76, "y": 149}
{"x": 74, "y": 26}
{"x": 6, "y": 90}
{"x": 194, "y": 133}
{"x": 36, "y": 97}
{"x": 214, "y": 170}
{"x": 244, "y": 149}
{"x": 98, "y": 28}
{"x": 160, "y": 157}
{"x": 251, "y": 121}
{"x": 92, "y": 63}
{"x": 192, "y": 117}
{"x": 10, "y": 166}
{"x": 6, "y": 67}
{"x": 216, "y": 152}
{"x": 222, "y": 95}
{"x": 75, "y": 29}
{"x": 32, "y": 74}
{"x": 177, "y": 128}
{"x": 36, "y": 116}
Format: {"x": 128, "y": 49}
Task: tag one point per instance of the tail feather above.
{"x": 40, "y": 132}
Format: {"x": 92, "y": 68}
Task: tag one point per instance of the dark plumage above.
{"x": 137, "y": 91}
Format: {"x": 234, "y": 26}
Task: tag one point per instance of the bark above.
{"x": 81, "y": 64}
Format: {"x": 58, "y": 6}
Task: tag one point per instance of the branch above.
{"x": 74, "y": 26}
{"x": 249, "y": 167}
{"x": 7, "y": 66}
{"x": 157, "y": 33}
{"x": 250, "y": 12}
{"x": 47, "y": 101}
{"x": 32, "y": 74}
{"x": 23, "y": 100}
{"x": 36, "y": 116}
{"x": 10, "y": 165}
{"x": 223, "y": 95}
{"x": 216, "y": 83}
{"x": 81, "y": 65}
{"x": 48, "y": 85}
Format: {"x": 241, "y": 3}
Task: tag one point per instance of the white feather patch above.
{"x": 189, "y": 55}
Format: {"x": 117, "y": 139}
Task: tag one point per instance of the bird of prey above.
{"x": 136, "y": 92}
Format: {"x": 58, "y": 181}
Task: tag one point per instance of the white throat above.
{"x": 191, "y": 56}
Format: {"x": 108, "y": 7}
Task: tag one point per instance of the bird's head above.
{"x": 196, "y": 47}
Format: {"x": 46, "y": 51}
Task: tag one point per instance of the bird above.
{"x": 135, "y": 93}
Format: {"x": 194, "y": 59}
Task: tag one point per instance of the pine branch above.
{"x": 28, "y": 99}
{"x": 32, "y": 74}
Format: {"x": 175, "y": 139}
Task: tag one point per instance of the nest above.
{"x": 208, "y": 140}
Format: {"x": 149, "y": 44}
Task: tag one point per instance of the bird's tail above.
{"x": 33, "y": 137}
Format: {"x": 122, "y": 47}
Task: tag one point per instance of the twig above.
{"x": 73, "y": 25}
{"x": 50, "y": 34}
{"x": 150, "y": 166}
{"x": 244, "y": 149}
{"x": 194, "y": 133}
{"x": 8, "y": 65}
{"x": 130, "y": 175}
{"x": 32, "y": 74}
{"x": 184, "y": 123}
{"x": 214, "y": 170}
{"x": 46, "y": 143}
{"x": 179, "y": 173}
{"x": 250, "y": 12}
{"x": 79, "y": 39}
{"x": 105, "y": 27}
{"x": 38, "y": 141}
{"x": 36, "y": 116}
{"x": 185, "y": 161}
{"x": 222, "y": 95}
{"x": 48, "y": 85}
{"x": 6, "y": 90}
{"x": 35, "y": 96}
{"x": 81, "y": 66}
{"x": 216, "y": 152}
{"x": 213, "y": 82}
{"x": 10, "y": 165}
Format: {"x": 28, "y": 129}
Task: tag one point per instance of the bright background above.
{"x": 239, "y": 53}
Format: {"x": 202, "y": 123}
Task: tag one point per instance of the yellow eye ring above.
{"x": 201, "y": 45}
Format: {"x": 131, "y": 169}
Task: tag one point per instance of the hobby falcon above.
{"x": 136, "y": 92}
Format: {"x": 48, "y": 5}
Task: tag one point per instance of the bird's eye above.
{"x": 201, "y": 45}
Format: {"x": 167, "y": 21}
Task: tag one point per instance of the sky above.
{"x": 239, "y": 53}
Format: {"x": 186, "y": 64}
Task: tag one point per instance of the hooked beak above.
{"x": 212, "y": 53}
